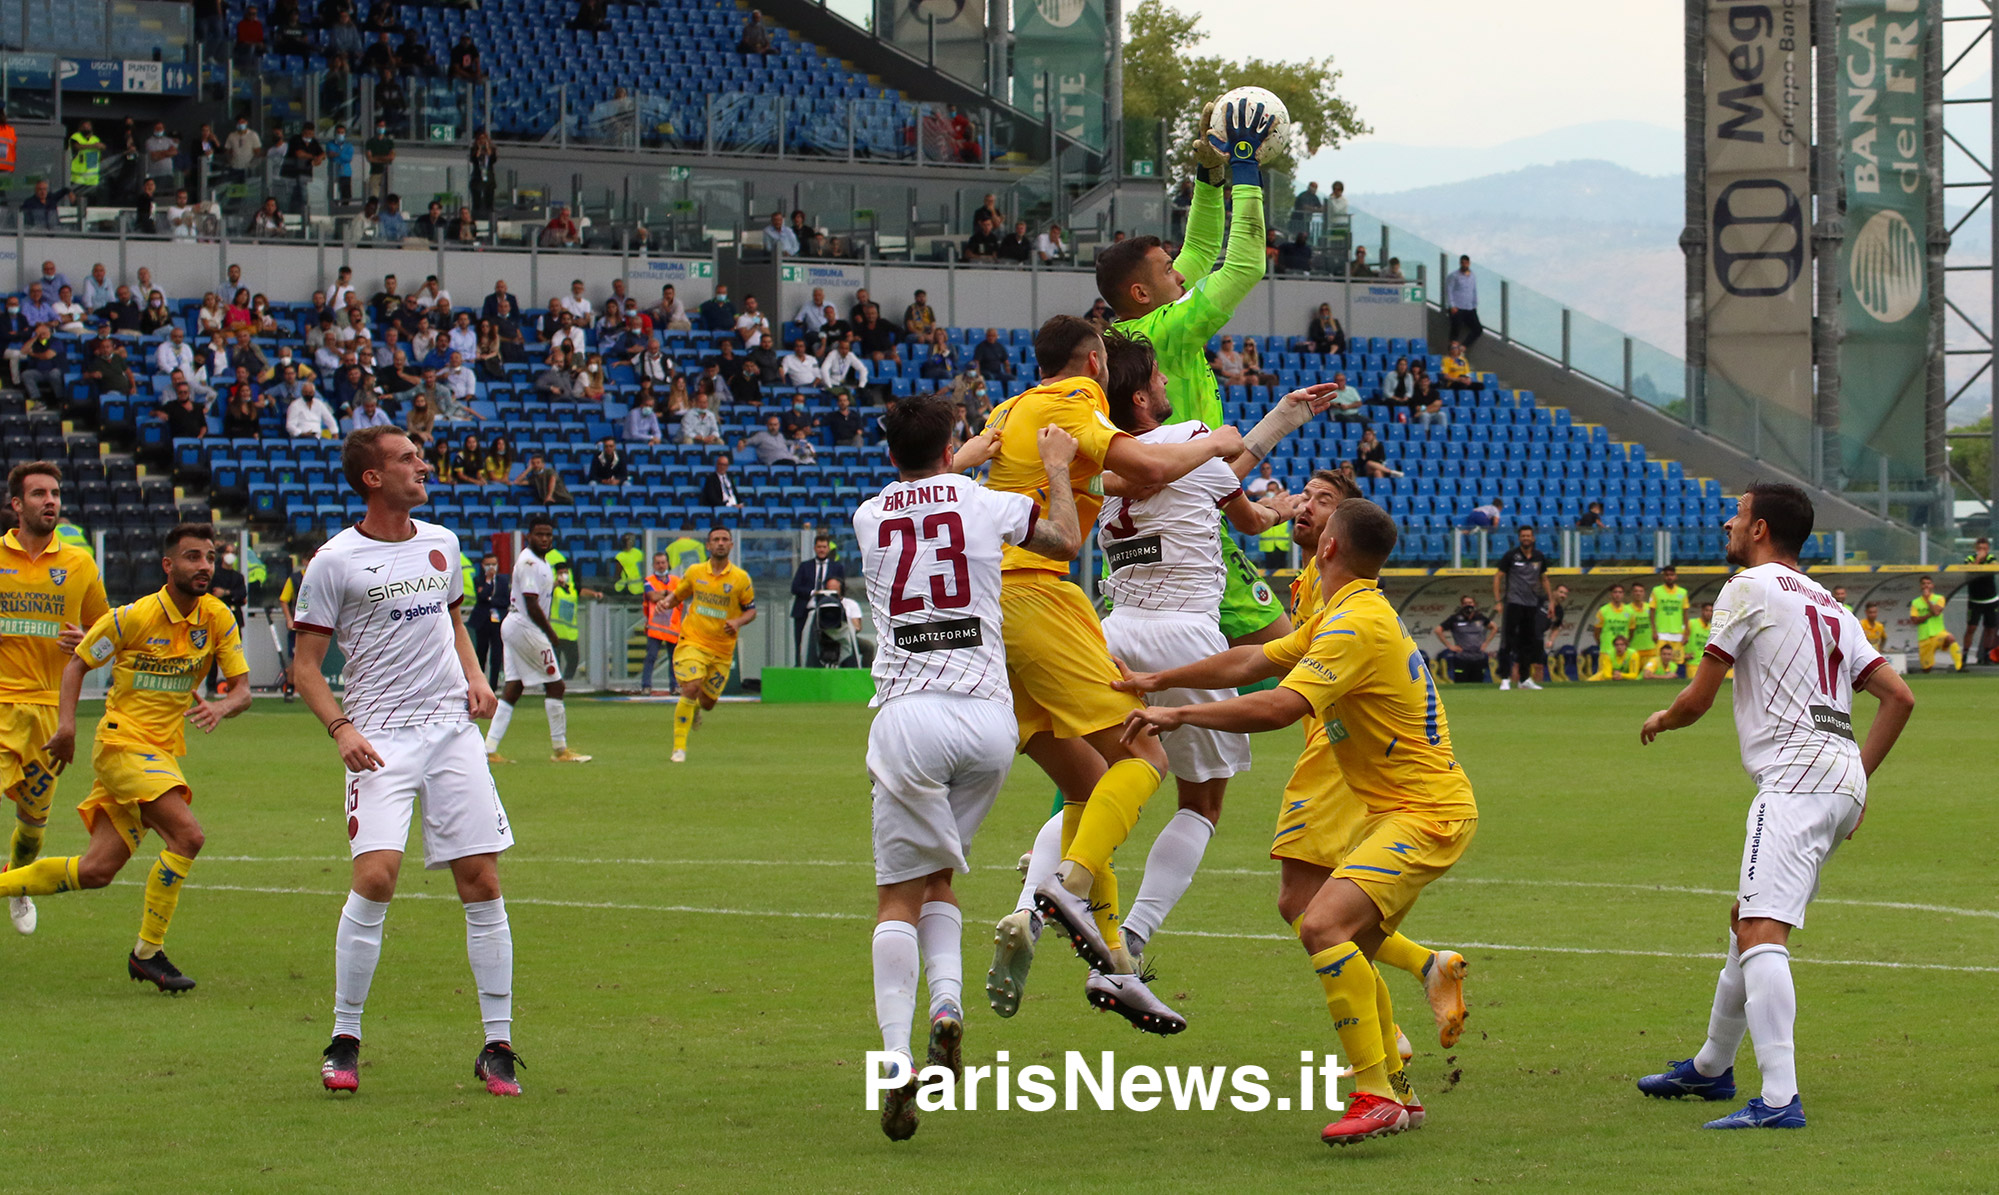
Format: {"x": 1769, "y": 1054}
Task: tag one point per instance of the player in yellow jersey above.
{"x": 1058, "y": 666}
{"x": 1644, "y": 627}
{"x": 1665, "y": 665}
{"x": 1619, "y": 663}
{"x": 160, "y": 647}
{"x": 1697, "y": 634}
{"x": 49, "y": 591}
{"x": 1355, "y": 668}
{"x": 719, "y": 602}
{"x": 1874, "y": 629}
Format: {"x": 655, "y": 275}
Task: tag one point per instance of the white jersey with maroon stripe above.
{"x": 389, "y": 607}
{"x": 1164, "y": 552}
{"x": 930, "y": 551}
{"x": 1798, "y": 657}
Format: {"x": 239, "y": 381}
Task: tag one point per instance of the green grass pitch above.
{"x": 693, "y": 992}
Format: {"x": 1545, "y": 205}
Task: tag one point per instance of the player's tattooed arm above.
{"x": 1057, "y": 533}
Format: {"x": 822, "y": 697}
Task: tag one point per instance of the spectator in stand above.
{"x": 803, "y": 450}
{"x": 41, "y": 366}
{"x": 1359, "y": 268}
{"x": 877, "y": 339}
{"x": 670, "y": 314}
{"x": 983, "y": 244}
{"x": 69, "y": 314}
{"x": 1100, "y": 316}
{"x": 369, "y": 414}
{"x": 380, "y": 153}
{"x": 778, "y": 238}
{"x": 718, "y": 488}
{"x": 843, "y": 368}
{"x": 41, "y": 209}
{"x": 918, "y": 319}
{"x": 752, "y": 323}
{"x": 98, "y": 289}
{"x": 642, "y": 421}
{"x": 755, "y": 38}
{"x": 1345, "y": 403}
{"x": 1252, "y": 359}
{"x": 609, "y": 466}
{"x": 1427, "y": 405}
{"x": 653, "y": 365}
{"x": 1336, "y": 203}
{"x": 184, "y": 419}
{"x": 40, "y": 305}
{"x": 1259, "y": 485}
{"x": 1048, "y": 247}
{"x": 249, "y": 40}
{"x": 862, "y": 301}
{"x": 560, "y": 232}
{"x": 1295, "y": 255}
{"x": 544, "y": 482}
{"x": 1457, "y": 370}
{"x": 1591, "y": 519}
{"x": 107, "y": 371}
{"x": 1228, "y": 364}
{"x": 283, "y": 387}
{"x": 557, "y": 381}
{"x": 718, "y": 314}
{"x": 465, "y": 65}
{"x": 421, "y": 423}
{"x": 576, "y": 303}
{"x": 1466, "y": 636}
{"x": 1308, "y": 203}
{"x": 769, "y": 443}
{"x": 268, "y": 220}
{"x": 464, "y": 228}
{"x": 1461, "y": 303}
{"x": 942, "y": 362}
{"x": 1392, "y": 272}
{"x": 460, "y": 379}
{"x": 764, "y": 357}
{"x": 844, "y": 424}
{"x": 1016, "y": 246}
{"x": 799, "y": 369}
{"x": 810, "y": 242}
{"x": 393, "y": 225}
{"x": 811, "y": 315}
{"x": 698, "y": 425}
{"x": 1371, "y": 457}
{"x": 414, "y": 56}
{"x": 308, "y": 416}
{"x": 1400, "y": 386}
{"x": 1486, "y": 516}
{"x": 994, "y": 362}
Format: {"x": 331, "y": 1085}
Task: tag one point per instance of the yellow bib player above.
{"x": 719, "y": 602}
{"x": 1355, "y": 669}
{"x": 1619, "y": 663}
{"x": 1669, "y": 607}
{"x": 1644, "y": 639}
{"x": 1927, "y": 613}
{"x": 160, "y": 647}
{"x": 1058, "y": 666}
{"x": 49, "y": 591}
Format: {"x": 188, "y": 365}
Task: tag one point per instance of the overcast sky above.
{"x": 1472, "y": 72}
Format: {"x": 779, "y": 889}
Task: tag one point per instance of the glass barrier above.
{"x": 1595, "y": 349}
{"x": 1531, "y": 319}
{"x": 27, "y": 87}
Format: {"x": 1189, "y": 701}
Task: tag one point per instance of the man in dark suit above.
{"x": 490, "y": 595}
{"x": 718, "y": 488}
{"x": 811, "y": 577}
{"x": 500, "y": 304}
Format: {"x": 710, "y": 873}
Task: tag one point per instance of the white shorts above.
{"x": 1153, "y": 641}
{"x": 936, "y": 761}
{"x": 1790, "y": 837}
{"x": 530, "y": 658}
{"x": 444, "y": 766}
{"x": 1671, "y": 636}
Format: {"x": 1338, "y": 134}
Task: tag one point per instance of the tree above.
{"x": 1164, "y": 79}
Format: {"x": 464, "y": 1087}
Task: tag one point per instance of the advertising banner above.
{"x": 1759, "y": 283}
{"x": 1885, "y": 302}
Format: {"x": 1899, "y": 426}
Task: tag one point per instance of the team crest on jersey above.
{"x": 1261, "y": 592}
{"x": 727, "y": 586}
{"x": 199, "y": 637}
{"x": 58, "y": 575}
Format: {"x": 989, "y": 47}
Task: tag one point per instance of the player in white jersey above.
{"x": 527, "y": 643}
{"x": 1798, "y": 657}
{"x": 945, "y": 736}
{"x": 389, "y": 589}
{"x": 1165, "y": 580}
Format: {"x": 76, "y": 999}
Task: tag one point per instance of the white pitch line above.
{"x": 1226, "y": 936}
{"x": 1604, "y": 885}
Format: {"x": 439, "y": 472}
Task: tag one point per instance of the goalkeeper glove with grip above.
{"x": 1211, "y": 163}
{"x": 1246, "y": 133}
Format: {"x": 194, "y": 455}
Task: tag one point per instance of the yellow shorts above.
{"x": 128, "y": 778}
{"x": 699, "y": 670}
{"x": 26, "y": 773}
{"x": 1056, "y": 660}
{"x": 1645, "y": 658}
{"x": 1398, "y": 853}
{"x": 1927, "y": 649}
{"x": 1318, "y": 817}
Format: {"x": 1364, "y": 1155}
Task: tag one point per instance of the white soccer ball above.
{"x": 1272, "y": 106}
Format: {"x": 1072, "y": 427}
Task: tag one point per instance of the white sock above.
{"x": 489, "y": 944}
{"x": 503, "y": 713}
{"x": 558, "y": 723}
{"x": 1176, "y": 855}
{"x": 895, "y": 982}
{"x": 1042, "y": 864}
{"x": 1772, "y": 1008}
{"x": 940, "y": 933}
{"x": 357, "y": 947}
{"x": 1725, "y": 1024}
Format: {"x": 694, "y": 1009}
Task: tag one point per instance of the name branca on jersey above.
{"x": 399, "y": 589}
{"x": 918, "y": 495}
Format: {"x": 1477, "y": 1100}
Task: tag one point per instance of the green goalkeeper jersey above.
{"x": 1179, "y": 331}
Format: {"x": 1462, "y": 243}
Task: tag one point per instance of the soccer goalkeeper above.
{"x": 1176, "y": 304}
